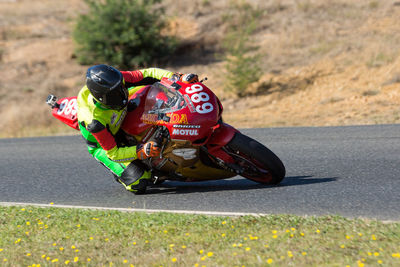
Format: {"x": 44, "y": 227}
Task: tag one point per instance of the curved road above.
{"x": 348, "y": 171}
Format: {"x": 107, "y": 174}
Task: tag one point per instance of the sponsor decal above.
{"x": 149, "y": 118}
{"x": 190, "y": 104}
{"x": 187, "y": 126}
{"x": 174, "y": 118}
{"x": 185, "y": 153}
{"x": 190, "y": 132}
{"x": 113, "y": 118}
{"x": 179, "y": 119}
{"x": 121, "y": 118}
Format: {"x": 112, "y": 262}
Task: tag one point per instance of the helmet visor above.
{"x": 117, "y": 97}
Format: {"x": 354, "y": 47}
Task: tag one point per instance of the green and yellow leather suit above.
{"x": 99, "y": 125}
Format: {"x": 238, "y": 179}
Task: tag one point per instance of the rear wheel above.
{"x": 256, "y": 162}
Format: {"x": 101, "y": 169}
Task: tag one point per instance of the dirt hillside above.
{"x": 324, "y": 62}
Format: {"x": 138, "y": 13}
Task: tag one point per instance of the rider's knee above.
{"x": 133, "y": 171}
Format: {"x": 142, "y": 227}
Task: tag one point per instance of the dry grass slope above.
{"x": 325, "y": 62}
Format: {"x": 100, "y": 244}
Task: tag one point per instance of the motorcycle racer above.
{"x": 102, "y": 105}
{"x": 181, "y": 113}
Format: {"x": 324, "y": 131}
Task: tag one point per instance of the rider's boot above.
{"x": 135, "y": 178}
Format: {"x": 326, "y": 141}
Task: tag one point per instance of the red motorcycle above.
{"x": 196, "y": 145}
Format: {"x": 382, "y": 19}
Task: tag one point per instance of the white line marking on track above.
{"x": 194, "y": 212}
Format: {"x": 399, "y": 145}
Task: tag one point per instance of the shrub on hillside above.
{"x": 124, "y": 33}
{"x": 242, "y": 60}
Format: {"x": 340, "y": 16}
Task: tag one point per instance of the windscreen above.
{"x": 163, "y": 99}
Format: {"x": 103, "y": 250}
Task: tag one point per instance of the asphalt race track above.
{"x": 348, "y": 171}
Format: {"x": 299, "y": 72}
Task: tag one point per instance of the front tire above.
{"x": 256, "y": 161}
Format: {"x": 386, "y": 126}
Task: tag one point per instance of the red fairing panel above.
{"x": 196, "y": 121}
{"x": 67, "y": 111}
{"x": 132, "y": 123}
{"x": 221, "y": 137}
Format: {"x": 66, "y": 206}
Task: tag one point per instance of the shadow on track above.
{"x": 229, "y": 184}
{"x": 305, "y": 180}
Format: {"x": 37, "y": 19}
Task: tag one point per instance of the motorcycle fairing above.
{"x": 177, "y": 108}
{"x": 221, "y": 136}
{"x": 66, "y": 111}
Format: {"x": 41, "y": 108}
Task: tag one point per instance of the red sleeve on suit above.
{"x": 132, "y": 76}
{"x": 105, "y": 139}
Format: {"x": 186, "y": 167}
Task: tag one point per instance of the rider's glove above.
{"x": 189, "y": 78}
{"x": 150, "y": 149}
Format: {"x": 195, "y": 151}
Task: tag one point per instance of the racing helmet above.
{"x": 107, "y": 86}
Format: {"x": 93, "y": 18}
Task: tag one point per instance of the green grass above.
{"x": 31, "y": 236}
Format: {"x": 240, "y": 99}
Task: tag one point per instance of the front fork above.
{"x": 226, "y": 165}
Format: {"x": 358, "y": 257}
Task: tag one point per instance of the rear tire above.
{"x": 259, "y": 164}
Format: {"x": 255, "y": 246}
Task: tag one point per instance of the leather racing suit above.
{"x": 99, "y": 126}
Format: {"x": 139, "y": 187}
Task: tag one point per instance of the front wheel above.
{"x": 256, "y": 162}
